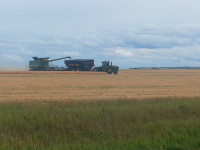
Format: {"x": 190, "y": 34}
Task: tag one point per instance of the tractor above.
{"x": 107, "y": 67}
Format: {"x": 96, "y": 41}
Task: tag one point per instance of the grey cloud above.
{"x": 151, "y": 46}
{"x": 130, "y": 32}
{"x": 14, "y": 58}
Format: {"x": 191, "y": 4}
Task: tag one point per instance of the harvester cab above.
{"x": 41, "y": 59}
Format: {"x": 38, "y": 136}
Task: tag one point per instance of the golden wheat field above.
{"x": 130, "y": 84}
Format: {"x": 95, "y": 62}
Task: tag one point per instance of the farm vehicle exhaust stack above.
{"x": 42, "y": 64}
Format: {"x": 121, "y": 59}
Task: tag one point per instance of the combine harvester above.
{"x": 42, "y": 64}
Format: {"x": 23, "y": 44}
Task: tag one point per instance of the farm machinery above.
{"x": 79, "y": 64}
{"x": 107, "y": 67}
{"x": 88, "y": 65}
{"x": 42, "y": 64}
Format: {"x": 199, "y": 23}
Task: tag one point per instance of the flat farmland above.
{"x": 128, "y": 84}
{"x": 134, "y": 110}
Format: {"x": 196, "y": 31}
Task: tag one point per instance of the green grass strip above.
{"x": 160, "y": 124}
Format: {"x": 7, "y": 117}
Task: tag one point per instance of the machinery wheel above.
{"x": 109, "y": 71}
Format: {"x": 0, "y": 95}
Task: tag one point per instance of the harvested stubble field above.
{"x": 128, "y": 84}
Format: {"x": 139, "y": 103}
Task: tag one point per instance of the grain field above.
{"x": 128, "y": 84}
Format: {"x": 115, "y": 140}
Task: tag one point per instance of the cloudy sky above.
{"x": 131, "y": 33}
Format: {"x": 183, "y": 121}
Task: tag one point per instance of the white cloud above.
{"x": 123, "y": 52}
{"x": 140, "y": 32}
{"x": 145, "y": 46}
{"x": 64, "y": 53}
{"x": 14, "y": 58}
{"x": 90, "y": 43}
{"x": 25, "y": 52}
{"x": 7, "y": 45}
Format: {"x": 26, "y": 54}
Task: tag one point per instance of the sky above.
{"x": 130, "y": 33}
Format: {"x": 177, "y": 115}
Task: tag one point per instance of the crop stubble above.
{"x": 128, "y": 84}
